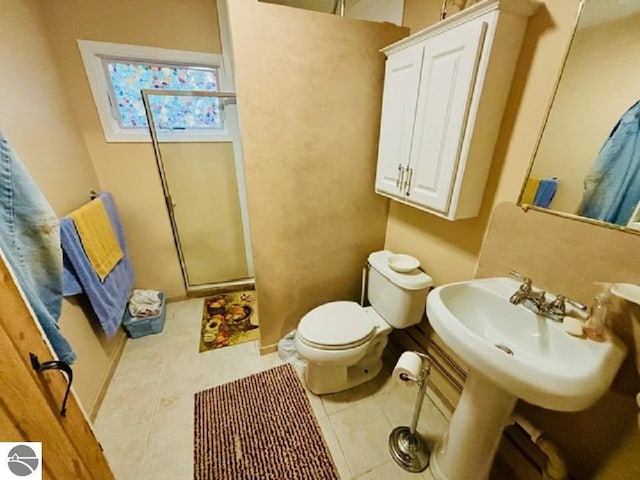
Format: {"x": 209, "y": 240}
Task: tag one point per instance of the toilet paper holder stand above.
{"x": 406, "y": 445}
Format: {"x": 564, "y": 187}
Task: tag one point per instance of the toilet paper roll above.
{"x": 408, "y": 367}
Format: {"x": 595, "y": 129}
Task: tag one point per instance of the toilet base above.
{"x": 323, "y": 379}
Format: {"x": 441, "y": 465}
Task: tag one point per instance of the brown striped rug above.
{"x": 259, "y": 427}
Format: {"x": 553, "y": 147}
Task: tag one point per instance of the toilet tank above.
{"x": 399, "y": 298}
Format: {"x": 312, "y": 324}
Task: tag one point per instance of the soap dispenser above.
{"x": 595, "y": 327}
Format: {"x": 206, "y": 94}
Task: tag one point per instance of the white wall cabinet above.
{"x": 445, "y": 91}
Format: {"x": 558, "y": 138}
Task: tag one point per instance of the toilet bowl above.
{"x": 343, "y": 342}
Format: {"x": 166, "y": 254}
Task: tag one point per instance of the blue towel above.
{"x": 109, "y": 298}
{"x": 612, "y": 186}
{"x": 70, "y": 282}
{"x": 546, "y": 191}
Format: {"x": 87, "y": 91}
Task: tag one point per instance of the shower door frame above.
{"x": 231, "y": 124}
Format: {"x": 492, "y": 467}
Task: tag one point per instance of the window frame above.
{"x": 93, "y": 55}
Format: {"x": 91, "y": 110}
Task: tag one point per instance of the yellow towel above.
{"x": 97, "y": 237}
{"x": 530, "y": 189}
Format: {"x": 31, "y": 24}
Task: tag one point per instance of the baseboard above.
{"x": 102, "y": 391}
{"x": 266, "y": 350}
{"x": 178, "y": 298}
{"x": 212, "y": 289}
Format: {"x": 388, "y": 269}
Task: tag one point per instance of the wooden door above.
{"x": 402, "y": 77}
{"x": 447, "y": 84}
{"x": 30, "y": 402}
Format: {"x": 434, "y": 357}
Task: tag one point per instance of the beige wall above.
{"x": 35, "y": 115}
{"x": 419, "y": 14}
{"x": 449, "y": 250}
{"x": 376, "y": 10}
{"x": 599, "y": 83}
{"x": 37, "y": 120}
{"x": 48, "y": 114}
{"x": 602, "y": 442}
{"x": 566, "y": 256}
{"x": 128, "y": 170}
{"x": 309, "y": 97}
{"x": 204, "y": 174}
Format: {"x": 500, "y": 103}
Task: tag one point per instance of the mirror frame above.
{"x": 572, "y": 216}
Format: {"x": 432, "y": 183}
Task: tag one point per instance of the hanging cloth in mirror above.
{"x": 612, "y": 186}
{"x": 30, "y": 240}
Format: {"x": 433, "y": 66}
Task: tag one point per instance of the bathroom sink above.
{"x": 525, "y": 354}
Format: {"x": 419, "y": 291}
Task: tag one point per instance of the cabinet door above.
{"x": 401, "y": 80}
{"x": 446, "y": 88}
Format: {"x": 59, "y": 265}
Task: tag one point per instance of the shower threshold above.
{"x": 206, "y": 289}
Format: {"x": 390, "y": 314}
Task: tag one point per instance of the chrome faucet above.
{"x": 536, "y": 300}
{"x": 528, "y": 297}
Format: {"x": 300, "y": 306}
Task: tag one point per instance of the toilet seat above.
{"x": 336, "y": 326}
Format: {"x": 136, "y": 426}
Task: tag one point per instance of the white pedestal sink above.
{"x": 512, "y": 353}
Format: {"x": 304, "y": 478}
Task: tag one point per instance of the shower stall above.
{"x": 203, "y": 182}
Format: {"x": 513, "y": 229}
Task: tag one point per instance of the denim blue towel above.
{"x": 30, "y": 240}
{"x": 109, "y": 298}
{"x": 612, "y": 186}
{"x": 546, "y": 191}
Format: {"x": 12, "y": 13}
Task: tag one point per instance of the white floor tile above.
{"x": 125, "y": 449}
{"x": 335, "y": 448}
{"x": 390, "y": 471}
{"x": 363, "y": 432}
{"x": 380, "y": 385}
{"x": 232, "y": 363}
{"x": 170, "y": 450}
{"x": 398, "y": 406}
{"x": 129, "y": 402}
{"x": 145, "y": 423}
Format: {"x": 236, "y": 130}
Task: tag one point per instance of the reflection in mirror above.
{"x": 588, "y": 158}
{"x": 372, "y": 10}
{"x": 326, "y": 6}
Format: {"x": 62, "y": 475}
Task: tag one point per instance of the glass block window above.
{"x": 184, "y": 112}
{"x": 118, "y": 72}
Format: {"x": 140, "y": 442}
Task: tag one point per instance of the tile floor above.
{"x": 146, "y": 421}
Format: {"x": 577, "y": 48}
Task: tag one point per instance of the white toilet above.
{"x": 343, "y": 342}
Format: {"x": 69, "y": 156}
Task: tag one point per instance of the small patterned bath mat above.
{"x": 228, "y": 319}
{"x": 259, "y": 427}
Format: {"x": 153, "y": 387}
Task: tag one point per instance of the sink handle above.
{"x": 580, "y": 306}
{"x": 519, "y": 276}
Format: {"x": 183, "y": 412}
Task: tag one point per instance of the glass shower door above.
{"x": 204, "y": 190}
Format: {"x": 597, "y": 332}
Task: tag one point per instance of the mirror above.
{"x": 587, "y": 162}
{"x": 325, "y": 6}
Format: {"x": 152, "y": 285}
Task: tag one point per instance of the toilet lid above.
{"x": 336, "y": 324}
